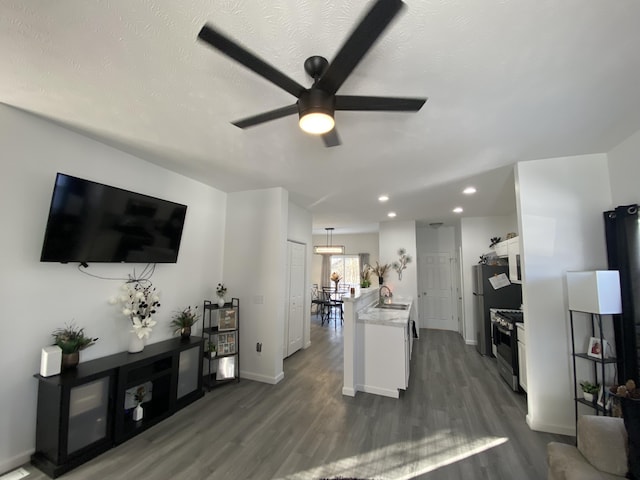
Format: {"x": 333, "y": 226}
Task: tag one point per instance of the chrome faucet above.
{"x": 381, "y": 297}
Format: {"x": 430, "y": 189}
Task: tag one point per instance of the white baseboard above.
{"x": 16, "y": 461}
{"x": 258, "y": 377}
{"x": 557, "y": 429}
{"x": 350, "y": 392}
{"x": 470, "y": 342}
{"x": 387, "y": 392}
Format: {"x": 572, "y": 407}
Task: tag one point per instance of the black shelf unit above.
{"x": 82, "y": 412}
{"x": 598, "y": 364}
{"x": 228, "y": 337}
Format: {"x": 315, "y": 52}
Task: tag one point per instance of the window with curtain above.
{"x": 348, "y": 266}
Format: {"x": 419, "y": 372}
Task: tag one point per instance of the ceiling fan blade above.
{"x": 331, "y": 138}
{"x": 267, "y": 116}
{"x": 355, "y": 102}
{"x": 359, "y": 43}
{"x": 249, "y": 60}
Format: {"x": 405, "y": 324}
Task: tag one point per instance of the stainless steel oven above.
{"x": 505, "y": 340}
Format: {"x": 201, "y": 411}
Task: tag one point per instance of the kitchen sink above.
{"x": 393, "y": 306}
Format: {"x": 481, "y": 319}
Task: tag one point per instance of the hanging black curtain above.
{"x": 623, "y": 251}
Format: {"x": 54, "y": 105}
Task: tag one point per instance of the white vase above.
{"x": 588, "y": 396}
{"x": 138, "y": 413}
{"x": 221, "y": 302}
{"x": 136, "y": 344}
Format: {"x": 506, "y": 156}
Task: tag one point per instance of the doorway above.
{"x": 436, "y": 292}
{"x": 294, "y": 308}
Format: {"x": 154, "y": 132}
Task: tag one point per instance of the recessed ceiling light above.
{"x": 391, "y": 214}
{"x": 383, "y": 198}
{"x": 469, "y": 190}
{"x": 458, "y": 210}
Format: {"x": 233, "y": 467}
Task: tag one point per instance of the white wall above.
{"x": 254, "y": 270}
{"x": 560, "y": 204}
{"x": 475, "y": 238}
{"x": 299, "y": 230}
{"x": 353, "y": 245}
{"x": 436, "y": 240}
{"x": 624, "y": 171}
{"x": 39, "y": 297}
{"x": 393, "y": 236}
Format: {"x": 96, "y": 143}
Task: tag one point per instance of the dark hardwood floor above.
{"x": 457, "y": 420}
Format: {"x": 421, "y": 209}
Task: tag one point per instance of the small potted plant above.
{"x": 211, "y": 348}
{"x": 380, "y": 271}
{"x": 139, "y": 395}
{"x": 71, "y": 340}
{"x": 365, "y": 276}
{"x": 184, "y": 320}
{"x": 589, "y": 390}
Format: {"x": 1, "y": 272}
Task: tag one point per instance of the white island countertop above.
{"x": 389, "y": 317}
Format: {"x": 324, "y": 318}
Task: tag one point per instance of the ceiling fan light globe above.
{"x": 317, "y": 123}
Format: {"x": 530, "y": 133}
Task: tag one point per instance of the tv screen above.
{"x": 92, "y": 222}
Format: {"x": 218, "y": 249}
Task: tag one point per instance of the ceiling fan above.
{"x": 316, "y": 105}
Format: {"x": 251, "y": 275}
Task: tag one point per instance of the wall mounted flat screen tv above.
{"x": 92, "y": 222}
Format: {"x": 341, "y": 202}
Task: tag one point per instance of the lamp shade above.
{"x": 329, "y": 249}
{"x": 316, "y": 108}
{"x": 596, "y": 291}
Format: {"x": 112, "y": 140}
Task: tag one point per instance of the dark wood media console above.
{"x": 88, "y": 410}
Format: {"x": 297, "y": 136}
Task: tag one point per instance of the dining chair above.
{"x": 332, "y": 301}
{"x": 316, "y": 299}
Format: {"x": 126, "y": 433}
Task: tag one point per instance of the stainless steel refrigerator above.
{"x": 486, "y": 297}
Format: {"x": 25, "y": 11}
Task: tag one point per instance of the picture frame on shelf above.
{"x": 227, "y": 319}
{"x": 130, "y": 394}
{"x": 227, "y": 343}
{"x": 595, "y": 349}
{"x": 226, "y": 368}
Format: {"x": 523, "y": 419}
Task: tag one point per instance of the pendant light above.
{"x": 329, "y": 249}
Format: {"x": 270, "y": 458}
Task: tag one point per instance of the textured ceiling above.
{"x": 507, "y": 80}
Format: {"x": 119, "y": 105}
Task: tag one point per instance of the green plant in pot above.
{"x": 211, "y": 348}
{"x": 183, "y": 321}
{"x": 71, "y": 340}
{"x": 365, "y": 276}
{"x": 589, "y": 390}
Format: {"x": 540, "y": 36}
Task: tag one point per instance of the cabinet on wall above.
{"x": 501, "y": 249}
{"x": 513, "y": 254}
{"x": 87, "y": 410}
{"x": 221, "y": 335}
{"x": 510, "y": 249}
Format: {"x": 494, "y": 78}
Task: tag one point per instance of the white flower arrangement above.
{"x": 139, "y": 302}
{"x": 221, "y": 290}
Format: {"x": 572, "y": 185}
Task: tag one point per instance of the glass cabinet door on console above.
{"x": 88, "y": 410}
{"x": 74, "y": 419}
{"x": 189, "y": 371}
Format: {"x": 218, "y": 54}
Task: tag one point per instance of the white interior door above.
{"x": 295, "y": 306}
{"x": 436, "y": 292}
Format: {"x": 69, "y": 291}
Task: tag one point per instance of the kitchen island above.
{"x": 377, "y": 345}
